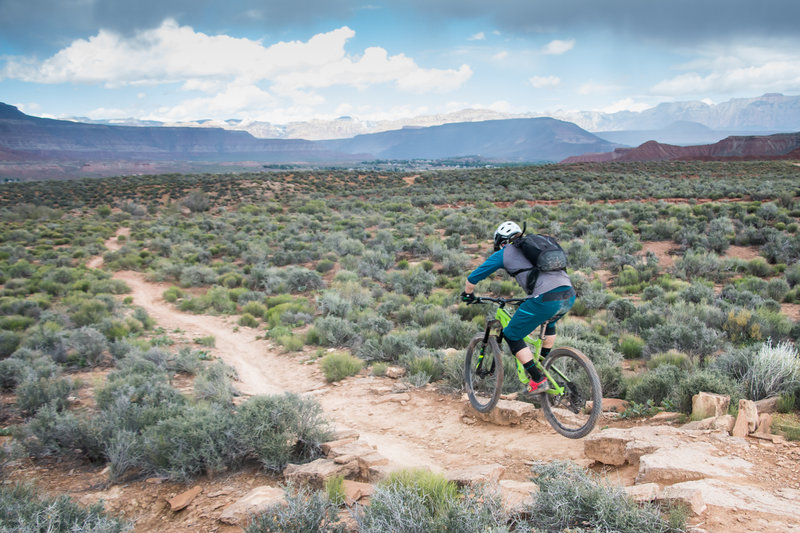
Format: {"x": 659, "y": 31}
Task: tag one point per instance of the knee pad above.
{"x": 516, "y": 345}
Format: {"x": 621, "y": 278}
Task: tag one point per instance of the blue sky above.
{"x": 177, "y": 60}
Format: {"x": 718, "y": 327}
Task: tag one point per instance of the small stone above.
{"x": 181, "y": 501}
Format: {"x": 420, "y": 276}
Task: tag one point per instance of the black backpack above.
{"x": 544, "y": 253}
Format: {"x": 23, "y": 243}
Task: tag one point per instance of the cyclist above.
{"x": 551, "y": 298}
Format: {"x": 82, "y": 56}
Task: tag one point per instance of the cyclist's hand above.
{"x": 467, "y": 297}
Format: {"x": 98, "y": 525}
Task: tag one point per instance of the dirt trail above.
{"x": 427, "y": 430}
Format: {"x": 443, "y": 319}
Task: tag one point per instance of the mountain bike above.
{"x": 572, "y": 379}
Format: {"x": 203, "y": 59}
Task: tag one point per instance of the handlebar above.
{"x": 501, "y": 301}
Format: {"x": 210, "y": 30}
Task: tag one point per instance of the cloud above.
{"x": 480, "y": 36}
{"x": 177, "y": 54}
{"x": 558, "y": 47}
{"x": 499, "y": 56}
{"x": 540, "y": 82}
{"x": 740, "y": 69}
{"x": 626, "y": 104}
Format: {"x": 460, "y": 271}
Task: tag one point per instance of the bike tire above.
{"x": 567, "y": 413}
{"x": 483, "y": 385}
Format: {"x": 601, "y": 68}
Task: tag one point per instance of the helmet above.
{"x": 504, "y": 232}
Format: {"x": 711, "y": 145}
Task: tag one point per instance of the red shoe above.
{"x": 538, "y": 387}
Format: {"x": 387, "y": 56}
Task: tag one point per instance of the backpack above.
{"x": 544, "y": 253}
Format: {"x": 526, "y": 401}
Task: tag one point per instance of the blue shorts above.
{"x": 535, "y": 311}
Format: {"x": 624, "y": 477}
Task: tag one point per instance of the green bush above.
{"x": 419, "y": 500}
{"x": 257, "y": 309}
{"x": 248, "y": 321}
{"x": 573, "y": 499}
{"x": 35, "y": 393}
{"x": 339, "y": 365}
{"x": 631, "y": 346}
{"x": 774, "y": 369}
{"x": 427, "y": 365}
{"x": 196, "y": 440}
{"x": 24, "y": 509}
{"x": 9, "y": 342}
{"x": 173, "y": 294}
{"x": 672, "y": 357}
{"x": 335, "y": 331}
{"x": 656, "y": 385}
{"x": 450, "y": 332}
{"x": 213, "y": 384}
{"x": 279, "y": 429}
{"x": 305, "y": 511}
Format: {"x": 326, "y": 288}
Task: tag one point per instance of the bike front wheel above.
{"x": 575, "y": 412}
{"x": 483, "y": 373}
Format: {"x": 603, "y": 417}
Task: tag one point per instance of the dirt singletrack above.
{"x": 419, "y": 428}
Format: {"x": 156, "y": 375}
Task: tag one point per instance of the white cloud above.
{"x": 499, "y": 56}
{"x": 540, "y": 82}
{"x": 480, "y": 36}
{"x": 231, "y": 102}
{"x": 177, "y": 54}
{"x": 558, "y": 47}
{"x": 737, "y": 69}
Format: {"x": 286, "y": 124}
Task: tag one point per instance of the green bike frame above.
{"x": 535, "y": 343}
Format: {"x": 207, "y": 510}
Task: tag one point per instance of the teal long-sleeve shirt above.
{"x": 492, "y": 263}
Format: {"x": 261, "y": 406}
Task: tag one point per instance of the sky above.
{"x": 298, "y": 60}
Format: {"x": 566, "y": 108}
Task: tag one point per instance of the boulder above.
{"x": 715, "y": 423}
{"x": 613, "y": 405}
{"x": 355, "y": 490}
{"x": 767, "y": 405}
{"x": 706, "y": 405}
{"x": 517, "y": 496}
{"x": 395, "y": 372}
{"x": 505, "y": 413}
{"x": 687, "y": 462}
{"x": 737, "y": 497}
{"x": 257, "y": 500}
{"x": 690, "y": 496}
{"x": 645, "y": 492}
{"x": 476, "y": 474}
{"x": 764, "y": 423}
{"x": 618, "y": 446}
{"x": 317, "y": 472}
{"x": 747, "y": 419}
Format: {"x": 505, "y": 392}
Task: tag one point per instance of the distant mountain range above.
{"x": 778, "y": 146}
{"x": 24, "y": 138}
{"x": 691, "y": 122}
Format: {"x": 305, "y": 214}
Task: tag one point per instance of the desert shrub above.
{"x": 339, "y": 365}
{"x": 777, "y": 289}
{"x": 631, "y": 346}
{"x": 332, "y": 303}
{"x": 793, "y": 275}
{"x": 9, "y": 342}
{"x": 213, "y": 384}
{"x": 304, "y": 511}
{"x": 656, "y": 385}
{"x": 621, "y": 308}
{"x": 208, "y": 341}
{"x": 24, "y": 509}
{"x": 279, "y": 429}
{"x": 248, "y": 321}
{"x": 186, "y": 361}
{"x": 412, "y": 282}
{"x": 291, "y": 343}
{"x": 774, "y": 369}
{"x": 197, "y": 439}
{"x": 574, "y": 499}
{"x": 419, "y": 500}
{"x": 388, "y": 348}
{"x": 89, "y": 343}
{"x": 428, "y": 365}
{"x": 299, "y": 279}
{"x": 375, "y": 324}
{"x": 695, "y": 264}
{"x": 672, "y": 357}
{"x": 173, "y": 294}
{"x": 375, "y": 264}
{"x": 450, "y": 332}
{"x": 335, "y": 331}
{"x": 255, "y": 308}
{"x": 697, "y": 292}
{"x": 690, "y": 336}
{"x": 704, "y": 381}
{"x": 34, "y": 393}
{"x": 197, "y": 276}
{"x": 611, "y": 381}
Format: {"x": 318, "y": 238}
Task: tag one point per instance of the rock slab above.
{"x": 257, "y": 500}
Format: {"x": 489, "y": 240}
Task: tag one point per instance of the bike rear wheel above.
{"x": 568, "y": 413}
{"x": 483, "y": 373}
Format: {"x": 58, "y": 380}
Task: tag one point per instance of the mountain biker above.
{"x": 551, "y": 298}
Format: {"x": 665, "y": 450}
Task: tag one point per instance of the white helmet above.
{"x": 504, "y": 232}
